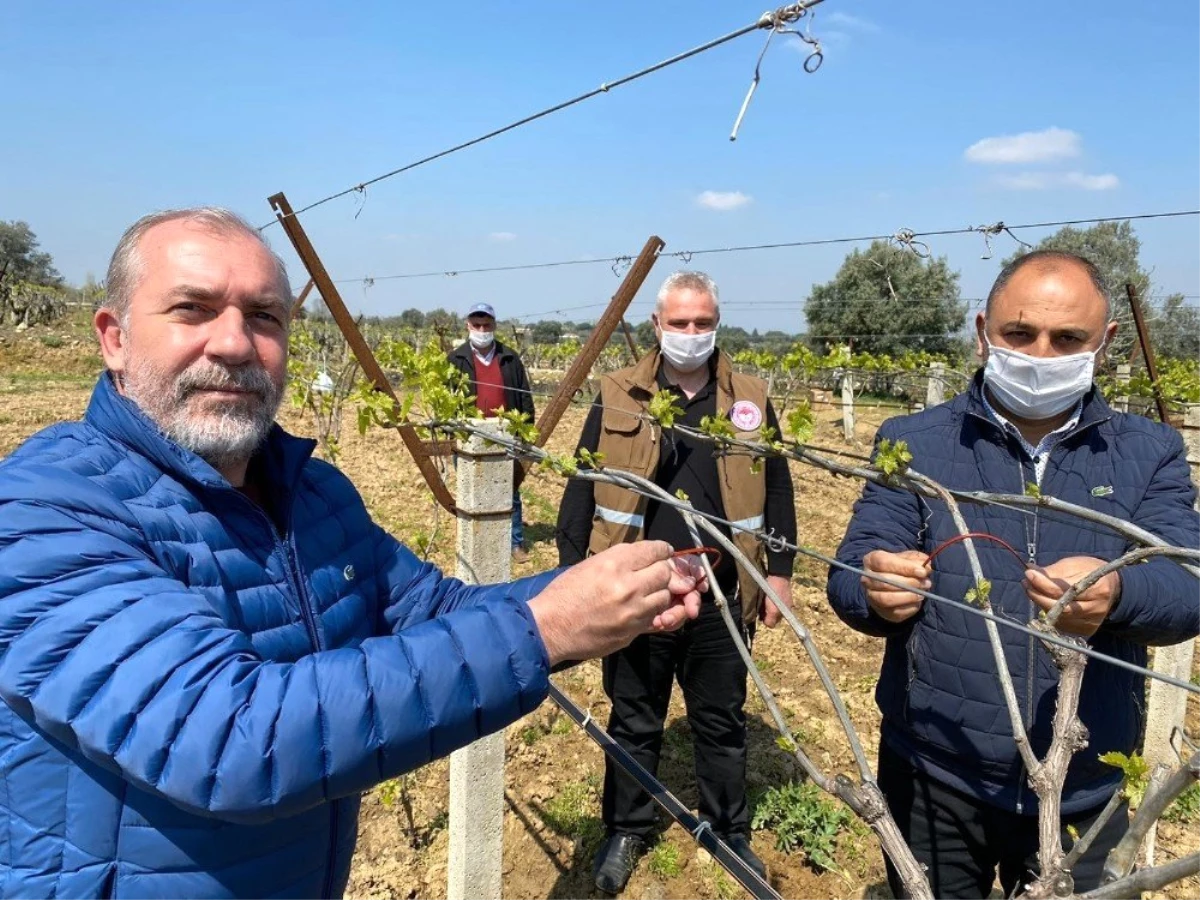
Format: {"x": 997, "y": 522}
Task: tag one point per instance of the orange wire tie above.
{"x": 696, "y": 551}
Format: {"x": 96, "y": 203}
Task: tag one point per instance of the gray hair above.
{"x": 684, "y": 280}
{"x": 125, "y": 270}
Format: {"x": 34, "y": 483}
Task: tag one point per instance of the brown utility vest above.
{"x": 632, "y": 444}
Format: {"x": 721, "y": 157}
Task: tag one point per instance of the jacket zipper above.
{"x": 1031, "y": 554}
{"x": 1031, "y": 647}
{"x": 287, "y": 543}
{"x": 307, "y": 612}
{"x": 308, "y": 608}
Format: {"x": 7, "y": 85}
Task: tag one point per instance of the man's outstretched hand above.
{"x": 601, "y": 604}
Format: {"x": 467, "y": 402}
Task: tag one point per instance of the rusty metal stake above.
{"x": 300, "y": 300}
{"x": 362, "y": 351}
{"x": 594, "y": 345}
{"x": 633, "y": 350}
{"x": 1143, "y": 334}
{"x": 596, "y": 341}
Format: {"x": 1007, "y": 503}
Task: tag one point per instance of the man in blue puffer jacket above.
{"x": 948, "y": 763}
{"x": 207, "y": 648}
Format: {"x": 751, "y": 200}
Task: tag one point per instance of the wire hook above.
{"x": 907, "y": 239}
{"x": 776, "y": 21}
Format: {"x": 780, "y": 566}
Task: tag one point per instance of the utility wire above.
{"x": 902, "y": 237}
{"x": 769, "y": 20}
{"x": 772, "y": 540}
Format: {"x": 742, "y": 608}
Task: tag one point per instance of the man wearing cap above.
{"x": 499, "y": 382}
{"x": 705, "y": 660}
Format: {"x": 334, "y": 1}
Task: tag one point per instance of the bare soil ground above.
{"x": 553, "y": 773}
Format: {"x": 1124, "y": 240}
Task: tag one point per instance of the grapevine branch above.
{"x": 982, "y": 597}
{"x": 1133, "y": 556}
{"x": 865, "y": 798}
{"x": 1047, "y": 776}
{"x": 1153, "y": 805}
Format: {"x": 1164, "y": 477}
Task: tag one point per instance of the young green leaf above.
{"x": 979, "y": 595}
{"x": 565, "y": 466}
{"x": 519, "y": 425}
{"x": 589, "y": 459}
{"x": 892, "y": 459}
{"x": 1136, "y": 771}
{"x": 663, "y": 409}
{"x": 717, "y": 427}
{"x": 800, "y": 423}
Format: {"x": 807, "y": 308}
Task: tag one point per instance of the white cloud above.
{"x": 501, "y": 237}
{"x": 1025, "y": 181}
{"x": 1105, "y": 182}
{"x": 845, "y": 20}
{"x": 1046, "y": 181}
{"x": 1026, "y": 147}
{"x": 723, "y": 200}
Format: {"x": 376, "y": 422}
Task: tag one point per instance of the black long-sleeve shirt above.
{"x": 684, "y": 463}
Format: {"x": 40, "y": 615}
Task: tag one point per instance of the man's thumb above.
{"x": 647, "y": 553}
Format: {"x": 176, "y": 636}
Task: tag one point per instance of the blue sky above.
{"x": 113, "y": 110}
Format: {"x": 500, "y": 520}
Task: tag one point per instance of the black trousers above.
{"x": 638, "y": 681}
{"x": 963, "y": 841}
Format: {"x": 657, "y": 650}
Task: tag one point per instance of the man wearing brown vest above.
{"x": 702, "y": 656}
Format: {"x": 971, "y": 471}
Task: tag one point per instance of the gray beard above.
{"x": 224, "y": 436}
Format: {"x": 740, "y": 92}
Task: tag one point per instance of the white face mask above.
{"x": 481, "y": 340}
{"x": 1035, "y": 387}
{"x": 687, "y": 352}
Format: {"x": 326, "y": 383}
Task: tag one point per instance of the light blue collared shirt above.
{"x": 1041, "y": 453}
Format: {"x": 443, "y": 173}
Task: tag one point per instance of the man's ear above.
{"x": 1110, "y": 332}
{"x": 113, "y": 339}
{"x": 980, "y": 340}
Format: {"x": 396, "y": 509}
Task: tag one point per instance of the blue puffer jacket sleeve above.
{"x": 103, "y": 651}
{"x": 1159, "y": 601}
{"x": 884, "y": 519}
{"x": 413, "y": 591}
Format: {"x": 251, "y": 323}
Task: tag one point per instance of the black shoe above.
{"x": 614, "y": 863}
{"x": 740, "y": 844}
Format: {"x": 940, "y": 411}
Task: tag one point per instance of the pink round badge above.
{"x": 745, "y": 416}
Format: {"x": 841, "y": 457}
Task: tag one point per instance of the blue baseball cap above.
{"x": 481, "y": 309}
